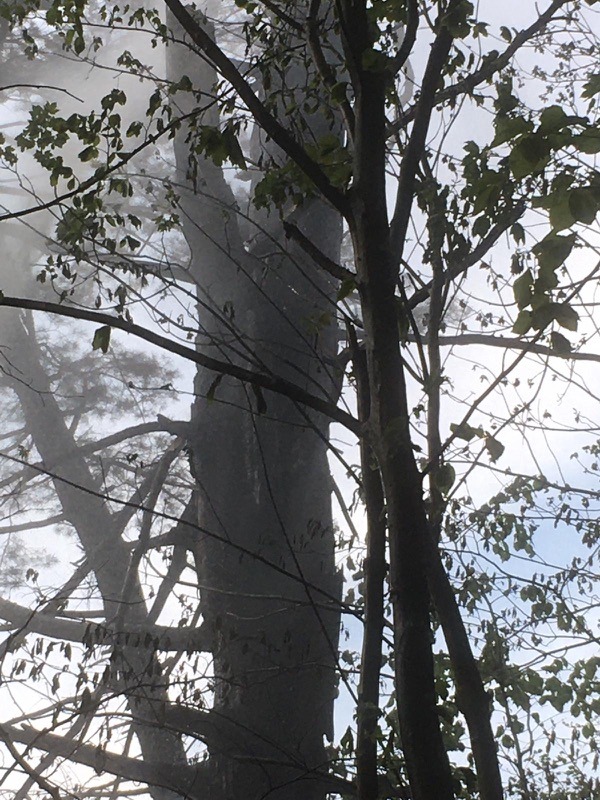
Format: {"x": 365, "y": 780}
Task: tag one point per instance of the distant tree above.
{"x": 366, "y": 230}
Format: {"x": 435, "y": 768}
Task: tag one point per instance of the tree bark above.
{"x": 263, "y": 479}
{"x": 426, "y": 758}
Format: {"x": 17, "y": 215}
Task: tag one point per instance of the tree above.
{"x": 292, "y": 204}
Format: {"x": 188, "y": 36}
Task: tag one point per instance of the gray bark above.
{"x": 263, "y": 477}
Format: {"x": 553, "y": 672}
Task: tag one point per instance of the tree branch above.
{"x": 270, "y": 382}
{"x": 512, "y": 343}
{"x": 159, "y": 637}
{"x": 416, "y": 143}
{"x": 487, "y": 71}
{"x": 263, "y": 117}
{"x": 454, "y": 270}
{"x": 189, "y": 781}
{"x": 335, "y": 270}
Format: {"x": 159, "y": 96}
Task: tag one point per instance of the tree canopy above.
{"x": 300, "y": 430}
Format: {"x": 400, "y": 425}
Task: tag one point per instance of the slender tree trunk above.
{"x": 426, "y": 758}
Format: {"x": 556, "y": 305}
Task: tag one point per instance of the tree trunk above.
{"x": 263, "y": 480}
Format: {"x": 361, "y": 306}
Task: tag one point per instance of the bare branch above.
{"x": 159, "y": 637}
{"x": 270, "y": 382}
{"x": 512, "y": 343}
{"x": 335, "y": 270}
{"x": 189, "y": 781}
{"x": 488, "y": 70}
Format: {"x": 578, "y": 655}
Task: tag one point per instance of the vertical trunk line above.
{"x": 374, "y": 576}
{"x": 425, "y": 754}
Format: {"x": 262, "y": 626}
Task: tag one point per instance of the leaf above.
{"x": 583, "y": 205}
{"x": 154, "y": 103}
{"x": 101, "y": 339}
{"x": 347, "y": 286}
{"x": 522, "y": 289}
{"x": 588, "y": 141}
{"x": 592, "y": 87}
{"x": 494, "y": 447}
{"x": 509, "y": 128}
{"x": 522, "y": 323}
{"x": 261, "y": 404}
{"x": 560, "y": 343}
{"x": 543, "y": 314}
{"x": 518, "y": 232}
{"x": 465, "y": 431}
{"x": 552, "y": 118}
{"x": 561, "y": 216}
{"x": 529, "y": 156}
{"x": 566, "y": 316}
{"x": 86, "y": 704}
{"x": 88, "y": 153}
{"x": 339, "y": 92}
{"x": 553, "y": 250}
{"x": 374, "y": 60}
{"x": 445, "y": 477}
{"x": 546, "y": 281}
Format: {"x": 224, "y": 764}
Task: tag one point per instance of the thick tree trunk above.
{"x": 263, "y": 482}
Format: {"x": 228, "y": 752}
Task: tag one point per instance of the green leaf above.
{"x": 522, "y": 323}
{"x": 592, "y": 87}
{"x": 522, "y": 289}
{"x": 88, "y": 153}
{"x": 583, "y": 205}
{"x": 561, "y": 216}
{"x": 588, "y": 141}
{"x": 347, "y": 286}
{"x": 374, "y": 60}
{"x": 552, "y": 118}
{"x": 546, "y": 281}
{"x": 509, "y": 128}
{"x": 543, "y": 314}
{"x": 101, "y": 339}
{"x": 445, "y": 477}
{"x": 210, "y": 395}
{"x": 518, "y": 233}
{"x": 560, "y": 343}
{"x": 566, "y": 316}
{"x": 261, "y": 403}
{"x": 494, "y": 447}
{"x": 339, "y": 92}
{"x": 154, "y": 103}
{"x": 553, "y": 250}
{"x": 529, "y": 156}
{"x": 465, "y": 431}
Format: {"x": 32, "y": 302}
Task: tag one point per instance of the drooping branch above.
{"x": 335, "y": 270}
{"x": 271, "y": 382}
{"x": 167, "y": 540}
{"x": 458, "y": 267}
{"x": 34, "y": 775}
